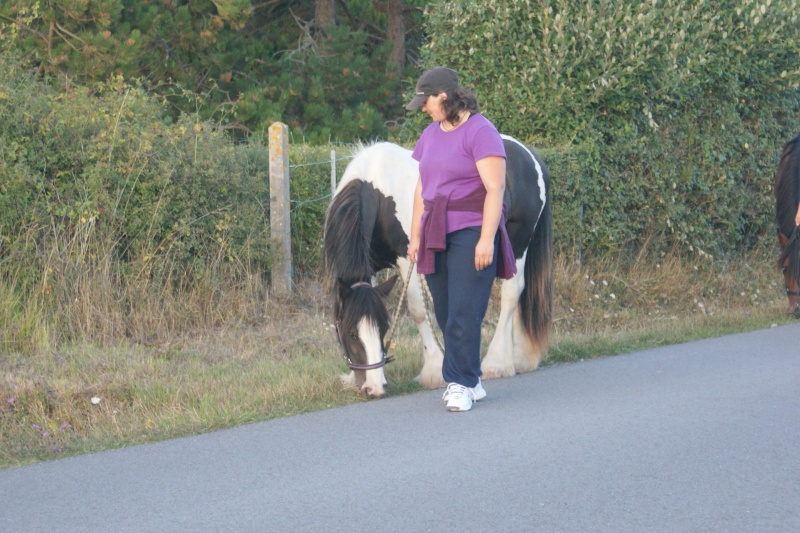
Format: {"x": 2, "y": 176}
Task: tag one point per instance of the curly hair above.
{"x": 459, "y": 100}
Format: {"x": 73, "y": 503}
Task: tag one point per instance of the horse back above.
{"x": 527, "y": 184}
{"x": 378, "y": 185}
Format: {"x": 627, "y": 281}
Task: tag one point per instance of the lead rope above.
{"x": 426, "y": 294}
{"x": 396, "y": 315}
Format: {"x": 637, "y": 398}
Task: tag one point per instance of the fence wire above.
{"x": 330, "y": 162}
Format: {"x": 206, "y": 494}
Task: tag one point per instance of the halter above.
{"x": 792, "y": 293}
{"x": 347, "y": 355}
{"x": 426, "y": 295}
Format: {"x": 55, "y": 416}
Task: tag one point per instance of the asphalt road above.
{"x": 695, "y": 437}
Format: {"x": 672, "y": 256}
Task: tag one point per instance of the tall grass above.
{"x": 82, "y": 291}
{"x": 225, "y": 352}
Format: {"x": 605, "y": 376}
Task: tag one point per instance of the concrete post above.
{"x": 280, "y": 226}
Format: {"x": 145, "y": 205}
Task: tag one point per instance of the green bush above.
{"x": 253, "y": 63}
{"x": 677, "y": 110}
{"x": 109, "y": 204}
{"x": 310, "y": 191}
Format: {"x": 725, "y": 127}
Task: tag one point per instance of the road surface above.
{"x": 695, "y": 437}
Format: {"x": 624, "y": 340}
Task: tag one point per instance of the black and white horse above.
{"x": 366, "y": 230}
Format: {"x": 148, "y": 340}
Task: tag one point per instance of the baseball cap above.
{"x": 432, "y": 82}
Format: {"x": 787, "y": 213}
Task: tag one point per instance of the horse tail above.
{"x": 536, "y": 300}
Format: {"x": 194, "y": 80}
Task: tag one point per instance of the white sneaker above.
{"x": 479, "y": 393}
{"x": 458, "y": 397}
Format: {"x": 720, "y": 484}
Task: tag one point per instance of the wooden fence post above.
{"x": 280, "y": 226}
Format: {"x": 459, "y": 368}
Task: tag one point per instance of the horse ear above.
{"x": 344, "y": 289}
{"x": 386, "y": 287}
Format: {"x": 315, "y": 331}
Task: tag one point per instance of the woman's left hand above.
{"x": 484, "y": 253}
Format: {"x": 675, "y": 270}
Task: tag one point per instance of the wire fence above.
{"x": 332, "y": 161}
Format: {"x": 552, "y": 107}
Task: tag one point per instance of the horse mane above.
{"x": 347, "y": 238}
{"x": 349, "y": 223}
{"x": 787, "y": 198}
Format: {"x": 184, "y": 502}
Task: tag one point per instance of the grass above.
{"x": 91, "y": 396}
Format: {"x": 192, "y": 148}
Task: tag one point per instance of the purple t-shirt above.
{"x": 447, "y": 163}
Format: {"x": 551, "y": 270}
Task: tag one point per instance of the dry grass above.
{"x": 262, "y": 357}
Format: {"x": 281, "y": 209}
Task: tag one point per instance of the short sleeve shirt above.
{"x": 447, "y": 163}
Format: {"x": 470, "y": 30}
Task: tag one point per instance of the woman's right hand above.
{"x": 413, "y": 248}
{"x": 416, "y": 222}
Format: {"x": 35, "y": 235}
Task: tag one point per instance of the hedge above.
{"x": 672, "y": 113}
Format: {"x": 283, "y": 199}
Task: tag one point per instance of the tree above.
{"x": 396, "y": 34}
{"x": 245, "y": 62}
{"x": 324, "y": 13}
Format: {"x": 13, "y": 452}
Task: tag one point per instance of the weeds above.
{"x": 229, "y": 354}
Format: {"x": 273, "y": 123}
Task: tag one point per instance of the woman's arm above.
{"x": 797, "y": 216}
{"x": 416, "y": 221}
{"x": 493, "y": 174}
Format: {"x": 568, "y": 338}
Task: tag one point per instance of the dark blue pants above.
{"x": 460, "y": 296}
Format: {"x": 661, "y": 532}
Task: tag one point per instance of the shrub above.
{"x": 678, "y": 110}
{"x": 116, "y": 221}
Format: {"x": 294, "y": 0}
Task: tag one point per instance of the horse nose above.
{"x": 377, "y": 391}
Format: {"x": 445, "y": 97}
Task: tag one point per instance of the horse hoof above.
{"x": 494, "y": 372}
{"x": 429, "y": 382}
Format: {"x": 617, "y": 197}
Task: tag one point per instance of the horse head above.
{"x": 362, "y": 321}
{"x": 789, "y": 263}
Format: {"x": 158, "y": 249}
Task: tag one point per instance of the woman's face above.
{"x": 434, "y": 106}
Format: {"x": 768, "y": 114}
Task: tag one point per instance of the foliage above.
{"x": 108, "y": 207}
{"x": 310, "y": 191}
{"x": 677, "y": 110}
{"x": 250, "y": 63}
{"x": 338, "y": 96}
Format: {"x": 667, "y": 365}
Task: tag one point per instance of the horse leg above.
{"x": 430, "y": 376}
{"x": 527, "y": 352}
{"x": 499, "y": 360}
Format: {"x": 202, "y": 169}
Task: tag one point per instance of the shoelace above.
{"x": 454, "y": 390}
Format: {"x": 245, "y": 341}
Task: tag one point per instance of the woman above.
{"x": 458, "y": 237}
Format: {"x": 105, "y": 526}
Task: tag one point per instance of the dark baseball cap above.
{"x": 432, "y": 82}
